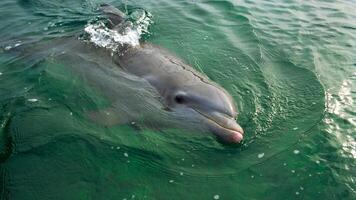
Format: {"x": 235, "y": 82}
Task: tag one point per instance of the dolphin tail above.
{"x": 115, "y": 16}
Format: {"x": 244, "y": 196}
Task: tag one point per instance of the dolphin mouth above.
{"x": 224, "y": 127}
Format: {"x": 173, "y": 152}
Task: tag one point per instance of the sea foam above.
{"x": 99, "y": 34}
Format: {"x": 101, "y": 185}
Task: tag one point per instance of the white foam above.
{"x": 102, "y": 36}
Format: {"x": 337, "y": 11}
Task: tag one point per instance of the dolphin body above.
{"x": 150, "y": 83}
{"x": 181, "y": 87}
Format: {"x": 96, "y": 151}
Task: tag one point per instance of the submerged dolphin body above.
{"x": 182, "y": 89}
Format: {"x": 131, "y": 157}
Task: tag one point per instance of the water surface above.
{"x": 289, "y": 65}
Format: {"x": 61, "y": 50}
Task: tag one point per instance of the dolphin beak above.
{"x": 224, "y": 127}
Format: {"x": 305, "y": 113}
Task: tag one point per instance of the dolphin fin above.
{"x": 115, "y": 15}
{"x": 106, "y": 117}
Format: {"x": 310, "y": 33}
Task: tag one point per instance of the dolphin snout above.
{"x": 228, "y": 130}
{"x": 224, "y": 127}
{"x": 233, "y": 135}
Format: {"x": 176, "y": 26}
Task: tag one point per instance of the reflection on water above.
{"x": 340, "y": 105}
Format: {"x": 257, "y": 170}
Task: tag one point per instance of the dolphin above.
{"x": 182, "y": 88}
{"x": 143, "y": 83}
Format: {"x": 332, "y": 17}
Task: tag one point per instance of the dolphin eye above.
{"x": 179, "y": 99}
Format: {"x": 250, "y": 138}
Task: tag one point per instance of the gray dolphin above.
{"x": 181, "y": 87}
{"x": 138, "y": 81}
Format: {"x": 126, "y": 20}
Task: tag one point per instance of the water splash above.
{"x": 99, "y": 34}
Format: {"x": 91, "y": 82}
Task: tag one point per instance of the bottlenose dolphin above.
{"x": 181, "y": 87}
{"x": 143, "y": 83}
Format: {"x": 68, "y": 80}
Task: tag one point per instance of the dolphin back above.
{"x": 115, "y": 16}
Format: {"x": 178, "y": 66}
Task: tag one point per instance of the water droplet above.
{"x": 296, "y": 151}
{"x": 295, "y": 128}
{"x": 261, "y": 155}
{"x": 171, "y": 181}
{"x": 317, "y": 162}
{"x": 216, "y": 196}
{"x": 32, "y": 100}
{"x": 181, "y": 173}
{"x": 297, "y": 193}
{"x": 126, "y": 154}
{"x": 117, "y": 148}
{"x": 347, "y": 167}
{"x": 7, "y": 48}
{"x": 293, "y": 171}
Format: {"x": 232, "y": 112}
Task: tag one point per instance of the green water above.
{"x": 290, "y": 66}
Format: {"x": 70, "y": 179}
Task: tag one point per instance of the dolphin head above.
{"x": 213, "y": 105}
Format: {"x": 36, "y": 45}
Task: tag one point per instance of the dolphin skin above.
{"x": 181, "y": 87}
